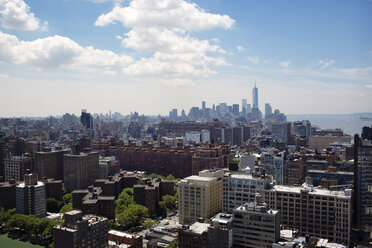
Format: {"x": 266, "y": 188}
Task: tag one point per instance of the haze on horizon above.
{"x": 307, "y": 57}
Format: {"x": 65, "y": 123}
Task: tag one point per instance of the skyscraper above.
{"x": 249, "y": 110}
{"x": 363, "y": 184}
{"x": 244, "y": 104}
{"x": 268, "y": 111}
{"x": 255, "y": 96}
{"x": 235, "y": 108}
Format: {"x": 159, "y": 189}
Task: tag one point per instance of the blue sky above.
{"x": 150, "y": 56}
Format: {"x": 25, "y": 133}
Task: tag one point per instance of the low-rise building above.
{"x": 195, "y": 235}
{"x": 119, "y": 239}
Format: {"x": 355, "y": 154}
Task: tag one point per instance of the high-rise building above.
{"x": 363, "y": 184}
{"x": 200, "y": 196}
{"x": 244, "y": 104}
{"x": 220, "y": 232}
{"x": 203, "y": 105}
{"x": 273, "y": 165}
{"x": 49, "y": 163}
{"x": 281, "y": 131}
{"x": 255, "y": 225}
{"x": 367, "y": 133}
{"x": 268, "y": 111}
{"x": 16, "y": 166}
{"x": 302, "y": 129}
{"x": 81, "y": 231}
{"x": 235, "y": 109}
{"x": 255, "y": 97}
{"x": 241, "y": 188}
{"x": 86, "y": 119}
{"x": 317, "y": 212}
{"x": 205, "y": 136}
{"x": 173, "y": 114}
{"x": 249, "y": 109}
{"x": 8, "y": 195}
{"x": 80, "y": 170}
{"x": 31, "y": 196}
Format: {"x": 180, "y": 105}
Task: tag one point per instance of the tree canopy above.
{"x": 133, "y": 215}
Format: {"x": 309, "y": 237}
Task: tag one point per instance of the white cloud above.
{"x": 119, "y": 37}
{"x": 15, "y": 14}
{"x": 284, "y": 64}
{"x": 4, "y": 76}
{"x": 240, "y": 48}
{"x": 165, "y": 14}
{"x": 166, "y": 41}
{"x": 178, "y": 82}
{"x": 58, "y": 51}
{"x": 167, "y": 64}
{"x": 369, "y": 86}
{"x": 325, "y": 63}
{"x": 162, "y": 29}
{"x": 357, "y": 71}
{"x": 103, "y": 1}
{"x": 254, "y": 60}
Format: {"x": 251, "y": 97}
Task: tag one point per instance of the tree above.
{"x": 6, "y": 215}
{"x": 67, "y": 198}
{"x": 66, "y": 208}
{"x": 154, "y": 175}
{"x": 112, "y": 225}
{"x": 129, "y": 191}
{"x": 124, "y": 200}
{"x": 148, "y": 223}
{"x": 53, "y": 205}
{"x": 48, "y": 231}
{"x": 168, "y": 203}
{"x": 170, "y": 177}
{"x": 133, "y": 215}
{"x": 140, "y": 181}
{"x": 64, "y": 190}
{"x": 174, "y": 244}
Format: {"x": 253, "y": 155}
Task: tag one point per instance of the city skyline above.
{"x": 125, "y": 56}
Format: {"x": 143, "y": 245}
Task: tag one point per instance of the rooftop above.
{"x": 198, "y": 178}
{"x": 312, "y": 190}
{"x": 199, "y": 228}
{"x": 123, "y": 234}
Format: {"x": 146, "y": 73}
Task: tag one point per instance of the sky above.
{"x": 306, "y": 57}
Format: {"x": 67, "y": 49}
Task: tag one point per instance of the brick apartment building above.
{"x": 180, "y": 162}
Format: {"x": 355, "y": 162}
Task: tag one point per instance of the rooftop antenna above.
{"x": 255, "y": 83}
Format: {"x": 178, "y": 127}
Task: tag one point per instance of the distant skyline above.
{"x": 307, "y": 57}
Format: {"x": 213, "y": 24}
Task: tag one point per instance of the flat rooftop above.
{"x": 198, "y": 178}
{"x": 312, "y": 190}
{"x": 199, "y": 228}
{"x": 123, "y": 234}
